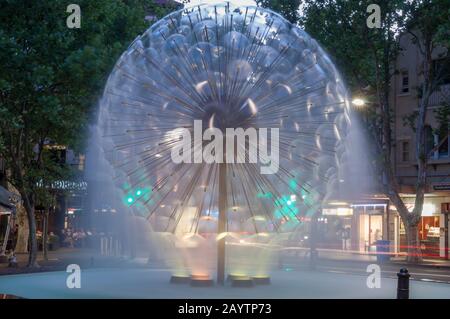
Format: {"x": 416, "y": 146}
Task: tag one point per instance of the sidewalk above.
{"x": 356, "y": 256}
{"x": 59, "y": 259}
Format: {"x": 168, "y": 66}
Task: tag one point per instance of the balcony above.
{"x": 441, "y": 96}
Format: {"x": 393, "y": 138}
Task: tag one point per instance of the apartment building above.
{"x": 433, "y": 228}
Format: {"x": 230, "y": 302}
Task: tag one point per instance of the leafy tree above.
{"x": 367, "y": 58}
{"x": 288, "y": 8}
{"x": 50, "y": 79}
{"x": 428, "y": 22}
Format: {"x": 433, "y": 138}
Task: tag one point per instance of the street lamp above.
{"x": 358, "y": 102}
{"x": 361, "y": 106}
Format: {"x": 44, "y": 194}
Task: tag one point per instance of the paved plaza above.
{"x": 154, "y": 283}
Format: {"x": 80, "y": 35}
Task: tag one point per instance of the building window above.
{"x": 441, "y": 67}
{"x": 405, "y": 151}
{"x": 405, "y": 82}
{"x": 444, "y": 140}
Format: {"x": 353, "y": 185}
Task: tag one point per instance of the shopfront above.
{"x": 371, "y": 225}
{"x": 445, "y": 236}
{"x": 432, "y": 230}
{"x": 355, "y": 227}
{"x": 335, "y": 227}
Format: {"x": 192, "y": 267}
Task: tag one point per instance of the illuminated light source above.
{"x": 130, "y": 200}
{"x": 232, "y": 277}
{"x": 259, "y": 218}
{"x": 201, "y": 281}
{"x": 428, "y": 209}
{"x": 207, "y": 218}
{"x": 138, "y": 192}
{"x": 263, "y": 234}
{"x": 338, "y": 203}
{"x": 358, "y": 102}
{"x": 340, "y": 211}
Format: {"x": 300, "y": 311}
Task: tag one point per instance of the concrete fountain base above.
{"x": 180, "y": 279}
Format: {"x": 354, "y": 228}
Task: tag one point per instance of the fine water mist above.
{"x": 229, "y": 67}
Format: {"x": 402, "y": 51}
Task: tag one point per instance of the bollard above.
{"x": 403, "y": 284}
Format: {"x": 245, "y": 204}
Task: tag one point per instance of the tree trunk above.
{"x": 29, "y": 207}
{"x": 45, "y": 235}
{"x": 414, "y": 251}
{"x": 23, "y": 231}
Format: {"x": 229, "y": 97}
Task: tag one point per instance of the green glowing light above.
{"x": 293, "y": 184}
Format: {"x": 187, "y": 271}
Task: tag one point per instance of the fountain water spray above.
{"x": 232, "y": 67}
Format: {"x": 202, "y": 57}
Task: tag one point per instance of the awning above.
{"x": 6, "y": 207}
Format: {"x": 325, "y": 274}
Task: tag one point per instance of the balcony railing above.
{"x": 441, "y": 96}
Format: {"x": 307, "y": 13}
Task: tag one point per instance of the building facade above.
{"x": 356, "y": 220}
{"x": 433, "y": 228}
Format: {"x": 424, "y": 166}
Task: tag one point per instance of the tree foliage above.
{"x": 367, "y": 59}
{"x": 50, "y": 79}
{"x": 288, "y": 8}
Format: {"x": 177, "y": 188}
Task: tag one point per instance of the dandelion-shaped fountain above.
{"x": 229, "y": 67}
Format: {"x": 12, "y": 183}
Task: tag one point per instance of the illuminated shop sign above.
{"x": 340, "y": 211}
{"x": 64, "y": 185}
{"x": 428, "y": 209}
{"x": 441, "y": 187}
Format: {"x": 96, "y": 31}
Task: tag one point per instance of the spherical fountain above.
{"x": 224, "y": 66}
